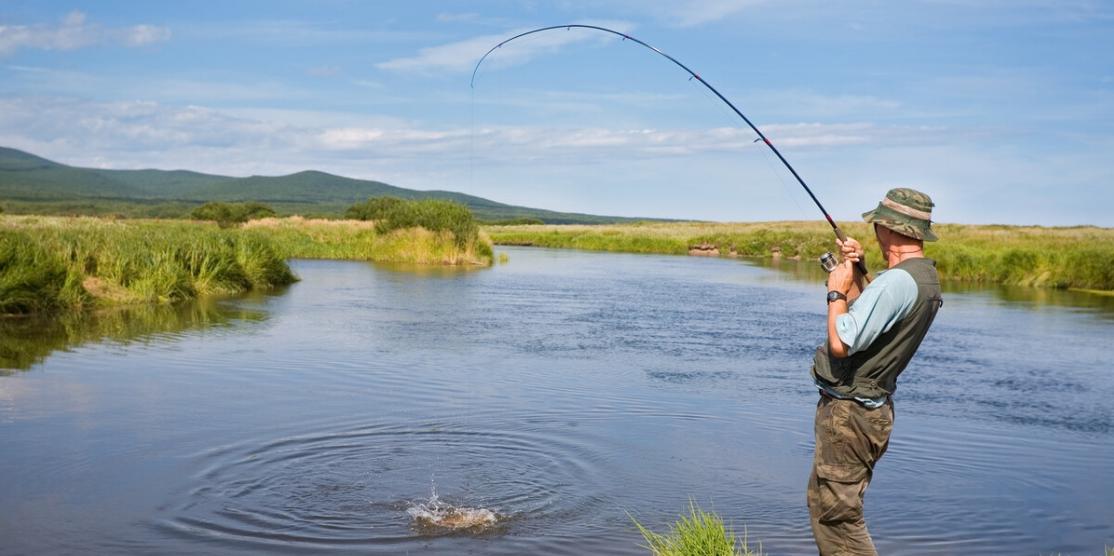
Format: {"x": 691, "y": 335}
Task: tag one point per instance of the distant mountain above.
{"x": 35, "y": 184}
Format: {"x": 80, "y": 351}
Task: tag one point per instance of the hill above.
{"x": 32, "y": 184}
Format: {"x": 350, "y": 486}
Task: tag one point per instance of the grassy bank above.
{"x": 57, "y": 262}
{"x": 1077, "y": 257}
{"x": 296, "y": 237}
{"x": 51, "y": 262}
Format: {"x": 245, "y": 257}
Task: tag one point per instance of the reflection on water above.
{"x": 28, "y": 341}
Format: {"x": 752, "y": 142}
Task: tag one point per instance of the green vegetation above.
{"x": 698, "y": 534}
{"x": 513, "y": 222}
{"x": 33, "y": 185}
{"x": 230, "y": 214}
{"x": 434, "y": 215}
{"x": 297, "y": 237}
{"x": 50, "y": 263}
{"x": 53, "y": 263}
{"x": 1076, "y": 257}
{"x": 375, "y": 208}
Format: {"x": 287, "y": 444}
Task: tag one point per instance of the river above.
{"x": 564, "y": 391}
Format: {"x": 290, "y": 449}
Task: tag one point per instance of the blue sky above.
{"x": 1003, "y": 111}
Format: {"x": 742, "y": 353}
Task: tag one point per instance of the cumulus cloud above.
{"x": 461, "y": 56}
{"x": 73, "y": 32}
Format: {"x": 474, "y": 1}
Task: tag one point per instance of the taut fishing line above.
{"x": 693, "y": 75}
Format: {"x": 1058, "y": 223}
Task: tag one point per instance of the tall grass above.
{"x": 51, "y": 262}
{"x": 297, "y": 237}
{"x": 1075, "y": 257}
{"x": 699, "y": 533}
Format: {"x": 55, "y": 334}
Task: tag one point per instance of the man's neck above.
{"x": 895, "y": 255}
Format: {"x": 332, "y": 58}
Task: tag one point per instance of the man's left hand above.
{"x": 841, "y": 278}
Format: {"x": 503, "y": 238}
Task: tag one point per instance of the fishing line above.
{"x": 693, "y": 75}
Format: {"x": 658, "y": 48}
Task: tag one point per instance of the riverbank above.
{"x": 49, "y": 263}
{"x": 1073, "y": 257}
{"x": 56, "y": 262}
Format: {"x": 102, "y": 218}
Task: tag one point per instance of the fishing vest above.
{"x": 872, "y": 372}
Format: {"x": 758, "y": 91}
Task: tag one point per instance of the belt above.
{"x": 869, "y": 403}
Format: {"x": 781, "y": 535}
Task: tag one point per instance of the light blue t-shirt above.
{"x": 883, "y": 303}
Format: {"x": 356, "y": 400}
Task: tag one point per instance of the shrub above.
{"x": 435, "y": 215}
{"x": 375, "y": 208}
{"x": 228, "y": 214}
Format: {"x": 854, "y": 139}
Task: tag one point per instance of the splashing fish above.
{"x": 437, "y": 516}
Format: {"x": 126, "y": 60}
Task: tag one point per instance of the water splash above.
{"x": 437, "y": 516}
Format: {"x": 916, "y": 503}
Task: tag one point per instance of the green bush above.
{"x": 435, "y": 215}
{"x": 228, "y": 214}
{"x": 375, "y": 208}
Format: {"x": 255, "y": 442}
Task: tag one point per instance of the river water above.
{"x": 563, "y": 392}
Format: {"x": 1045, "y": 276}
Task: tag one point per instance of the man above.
{"x": 872, "y": 335}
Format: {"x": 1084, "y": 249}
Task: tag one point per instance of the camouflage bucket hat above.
{"x": 905, "y": 211}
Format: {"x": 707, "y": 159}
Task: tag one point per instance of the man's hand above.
{"x": 842, "y": 277}
{"x": 851, "y": 250}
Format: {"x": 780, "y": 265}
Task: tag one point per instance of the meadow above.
{"x": 1070, "y": 257}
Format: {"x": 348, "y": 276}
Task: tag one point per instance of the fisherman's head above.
{"x": 904, "y": 216}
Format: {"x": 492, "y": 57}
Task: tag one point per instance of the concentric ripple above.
{"x": 364, "y": 485}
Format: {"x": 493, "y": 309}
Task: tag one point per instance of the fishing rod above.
{"x": 860, "y": 265}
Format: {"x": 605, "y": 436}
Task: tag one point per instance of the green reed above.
{"x": 297, "y": 237}
{"x": 1073, "y": 257}
{"x": 699, "y": 533}
{"x": 48, "y": 262}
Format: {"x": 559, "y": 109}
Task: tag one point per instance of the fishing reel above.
{"x": 828, "y": 262}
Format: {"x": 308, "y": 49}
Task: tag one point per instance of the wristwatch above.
{"x": 834, "y": 295}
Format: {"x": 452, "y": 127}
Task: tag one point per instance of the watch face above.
{"x": 833, "y": 295}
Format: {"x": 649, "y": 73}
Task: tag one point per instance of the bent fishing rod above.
{"x": 860, "y": 265}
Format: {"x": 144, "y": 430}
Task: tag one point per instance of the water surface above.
{"x": 562, "y": 391}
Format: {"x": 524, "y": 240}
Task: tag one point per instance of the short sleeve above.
{"x": 883, "y": 303}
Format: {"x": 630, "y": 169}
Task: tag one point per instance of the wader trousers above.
{"x": 849, "y": 441}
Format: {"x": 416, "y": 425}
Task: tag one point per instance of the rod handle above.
{"x": 860, "y": 266}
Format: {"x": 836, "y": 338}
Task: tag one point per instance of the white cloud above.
{"x": 446, "y": 17}
{"x": 849, "y": 157}
{"x": 697, "y": 12}
{"x": 140, "y": 35}
{"x": 277, "y": 141}
{"x": 461, "y": 56}
{"x": 76, "y": 32}
{"x": 290, "y": 32}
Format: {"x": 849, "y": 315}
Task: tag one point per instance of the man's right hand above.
{"x": 851, "y": 250}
